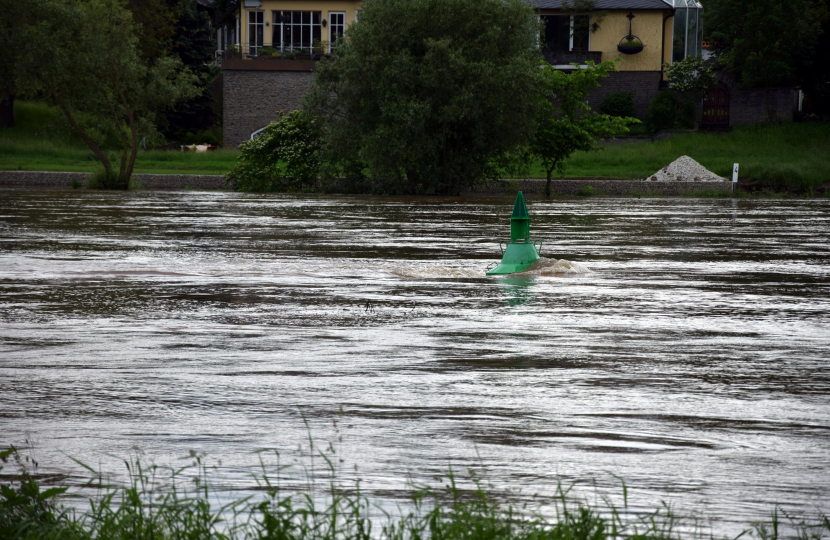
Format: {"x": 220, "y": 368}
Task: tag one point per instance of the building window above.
{"x": 565, "y": 33}
{"x": 687, "y": 30}
{"x": 256, "y": 31}
{"x": 337, "y": 26}
{"x": 296, "y": 30}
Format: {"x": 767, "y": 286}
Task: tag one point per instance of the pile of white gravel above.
{"x": 685, "y": 169}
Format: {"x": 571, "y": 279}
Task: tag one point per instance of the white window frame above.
{"x": 571, "y": 19}
{"x": 331, "y": 27}
{"x": 250, "y": 25}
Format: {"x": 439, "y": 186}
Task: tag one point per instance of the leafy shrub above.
{"x": 690, "y": 75}
{"x": 777, "y": 177}
{"x": 103, "y": 179}
{"x": 285, "y": 157}
{"x": 618, "y": 104}
{"x": 267, "y": 51}
{"x": 662, "y": 114}
{"x": 687, "y": 114}
{"x": 586, "y": 191}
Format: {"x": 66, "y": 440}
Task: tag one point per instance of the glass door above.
{"x": 337, "y": 26}
{"x": 256, "y": 31}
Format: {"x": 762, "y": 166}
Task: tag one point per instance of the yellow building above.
{"x": 641, "y": 34}
{"x": 298, "y": 26}
{"x": 316, "y": 25}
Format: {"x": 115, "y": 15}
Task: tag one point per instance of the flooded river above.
{"x": 683, "y": 345}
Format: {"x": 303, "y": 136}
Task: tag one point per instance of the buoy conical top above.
{"x": 519, "y": 207}
{"x": 520, "y": 221}
{"x": 520, "y": 252}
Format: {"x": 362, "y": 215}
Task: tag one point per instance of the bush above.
{"x": 423, "y": 98}
{"x": 662, "y": 114}
{"x": 687, "y": 114}
{"x": 103, "y": 179}
{"x": 618, "y": 104}
{"x": 777, "y": 178}
{"x": 285, "y": 157}
{"x": 586, "y": 191}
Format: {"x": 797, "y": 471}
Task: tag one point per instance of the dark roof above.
{"x": 603, "y": 5}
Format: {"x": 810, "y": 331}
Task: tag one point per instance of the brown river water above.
{"x": 682, "y": 345}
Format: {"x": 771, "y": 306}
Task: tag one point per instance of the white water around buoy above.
{"x": 542, "y": 267}
{"x": 438, "y": 271}
{"x": 550, "y": 267}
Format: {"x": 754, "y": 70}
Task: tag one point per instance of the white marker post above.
{"x": 734, "y": 176}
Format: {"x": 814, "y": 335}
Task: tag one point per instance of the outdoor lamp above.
{"x": 324, "y": 23}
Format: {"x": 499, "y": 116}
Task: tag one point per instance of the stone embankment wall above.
{"x": 605, "y": 187}
{"x": 68, "y": 180}
{"x": 64, "y": 180}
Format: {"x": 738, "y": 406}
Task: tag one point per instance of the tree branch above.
{"x": 81, "y": 133}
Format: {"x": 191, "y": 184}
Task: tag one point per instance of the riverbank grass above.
{"x": 42, "y": 141}
{"x": 776, "y": 157}
{"x": 166, "y": 503}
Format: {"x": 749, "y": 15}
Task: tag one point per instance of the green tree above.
{"x": 772, "y": 43}
{"x": 15, "y": 16}
{"x": 567, "y": 124}
{"x": 691, "y": 75}
{"x": 193, "y": 43}
{"x": 429, "y": 96}
{"x": 284, "y": 157}
{"x": 87, "y": 61}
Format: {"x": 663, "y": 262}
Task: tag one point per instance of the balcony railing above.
{"x": 562, "y": 58}
{"x": 267, "y": 51}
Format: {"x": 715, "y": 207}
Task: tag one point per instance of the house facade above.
{"x": 268, "y": 62}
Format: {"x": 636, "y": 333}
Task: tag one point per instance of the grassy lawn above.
{"x": 761, "y": 150}
{"x": 41, "y": 141}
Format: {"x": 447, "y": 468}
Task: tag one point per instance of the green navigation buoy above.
{"x": 521, "y": 251}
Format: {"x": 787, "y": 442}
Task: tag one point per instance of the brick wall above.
{"x": 753, "y": 105}
{"x": 252, "y": 99}
{"x": 644, "y": 85}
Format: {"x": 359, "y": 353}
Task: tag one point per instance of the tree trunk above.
{"x": 7, "y": 112}
{"x": 82, "y": 134}
{"x": 547, "y": 186}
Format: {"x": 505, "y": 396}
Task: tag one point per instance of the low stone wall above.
{"x": 64, "y": 180}
{"x": 68, "y": 180}
{"x": 612, "y": 188}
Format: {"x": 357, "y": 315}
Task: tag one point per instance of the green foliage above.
{"x": 687, "y": 114}
{"x": 662, "y": 113}
{"x": 566, "y": 123}
{"x": 618, "y": 104}
{"x": 103, "y": 179}
{"x": 691, "y": 75}
{"x": 284, "y": 157}
{"x": 193, "y": 43}
{"x": 667, "y": 111}
{"x": 777, "y": 178}
{"x": 24, "y": 507}
{"x": 429, "y": 96}
{"x": 87, "y": 62}
{"x": 632, "y": 43}
{"x": 165, "y": 504}
{"x": 790, "y": 145}
{"x": 769, "y": 42}
{"x": 586, "y": 191}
